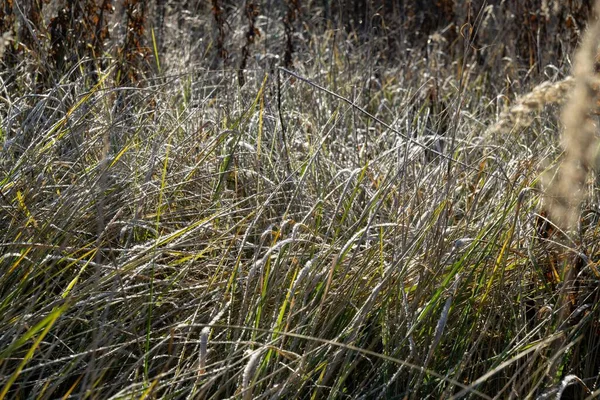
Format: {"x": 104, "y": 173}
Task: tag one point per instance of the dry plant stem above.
{"x": 579, "y": 140}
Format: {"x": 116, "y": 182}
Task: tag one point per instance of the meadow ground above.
{"x": 232, "y": 206}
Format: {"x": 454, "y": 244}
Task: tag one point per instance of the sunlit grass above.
{"x": 190, "y": 239}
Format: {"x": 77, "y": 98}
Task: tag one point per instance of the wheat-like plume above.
{"x": 522, "y": 113}
{"x": 579, "y": 137}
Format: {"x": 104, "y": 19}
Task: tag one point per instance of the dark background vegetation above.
{"x": 508, "y": 39}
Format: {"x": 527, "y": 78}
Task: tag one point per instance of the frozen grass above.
{"x": 190, "y": 239}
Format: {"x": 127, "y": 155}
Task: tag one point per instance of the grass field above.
{"x": 235, "y": 207}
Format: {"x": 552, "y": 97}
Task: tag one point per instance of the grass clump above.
{"x": 180, "y": 221}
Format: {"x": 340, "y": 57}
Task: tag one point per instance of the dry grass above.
{"x": 371, "y": 230}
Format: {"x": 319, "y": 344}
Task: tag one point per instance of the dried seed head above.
{"x": 249, "y": 372}
{"x": 521, "y": 114}
{"x": 579, "y": 137}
